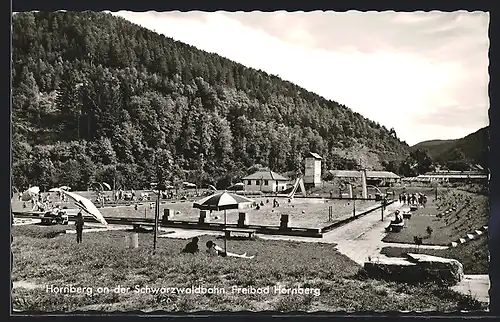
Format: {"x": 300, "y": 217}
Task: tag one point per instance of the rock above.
{"x": 439, "y": 268}
{"x": 485, "y": 227}
{"x": 416, "y": 268}
{"x": 453, "y": 244}
{"x": 478, "y": 232}
{"x": 470, "y": 236}
{"x": 462, "y": 240}
{"x": 393, "y": 269}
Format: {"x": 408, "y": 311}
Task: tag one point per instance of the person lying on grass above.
{"x": 191, "y": 247}
{"x": 214, "y": 250}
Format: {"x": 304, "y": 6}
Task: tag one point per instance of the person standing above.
{"x": 79, "y": 227}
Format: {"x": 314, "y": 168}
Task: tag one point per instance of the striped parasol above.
{"x": 223, "y": 201}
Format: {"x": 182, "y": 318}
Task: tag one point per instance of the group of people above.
{"x": 413, "y": 199}
{"x": 212, "y": 249}
{"x": 261, "y": 204}
{"x": 42, "y": 202}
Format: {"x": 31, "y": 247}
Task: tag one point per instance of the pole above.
{"x": 225, "y": 239}
{"x": 157, "y": 213}
{"x": 354, "y": 207}
{"x": 383, "y": 206}
{"x": 102, "y": 194}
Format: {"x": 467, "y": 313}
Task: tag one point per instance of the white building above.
{"x": 312, "y": 173}
{"x": 452, "y": 176}
{"x": 375, "y": 178}
{"x": 265, "y": 181}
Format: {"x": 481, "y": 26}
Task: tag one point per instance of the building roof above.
{"x": 426, "y": 177}
{"x": 345, "y": 173}
{"x": 266, "y": 175}
{"x": 454, "y": 176}
{"x": 314, "y": 155}
{"x": 454, "y": 173}
{"x": 381, "y": 175}
{"x": 369, "y": 174}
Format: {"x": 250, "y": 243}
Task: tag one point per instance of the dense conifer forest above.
{"x": 97, "y": 98}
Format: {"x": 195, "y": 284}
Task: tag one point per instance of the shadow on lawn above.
{"x": 39, "y": 230}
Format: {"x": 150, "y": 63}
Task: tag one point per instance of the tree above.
{"x": 391, "y": 166}
{"x": 422, "y": 160}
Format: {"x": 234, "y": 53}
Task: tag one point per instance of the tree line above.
{"x": 97, "y": 98}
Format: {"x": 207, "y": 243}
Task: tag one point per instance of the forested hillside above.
{"x": 96, "y": 97}
{"x": 459, "y": 154}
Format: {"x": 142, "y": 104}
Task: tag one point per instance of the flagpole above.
{"x": 225, "y": 227}
{"x": 157, "y": 214}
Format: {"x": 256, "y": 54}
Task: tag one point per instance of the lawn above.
{"x": 473, "y": 255}
{"x": 41, "y": 260}
{"x": 472, "y": 211}
{"x": 303, "y": 213}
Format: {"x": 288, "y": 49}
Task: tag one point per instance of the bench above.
{"x": 396, "y": 228}
{"x": 137, "y": 225}
{"x": 250, "y": 232}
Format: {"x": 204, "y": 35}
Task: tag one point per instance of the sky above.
{"x": 425, "y": 74}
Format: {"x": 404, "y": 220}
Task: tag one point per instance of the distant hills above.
{"x": 471, "y": 149}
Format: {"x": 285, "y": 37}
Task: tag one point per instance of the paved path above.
{"x": 475, "y": 285}
{"x": 358, "y": 239}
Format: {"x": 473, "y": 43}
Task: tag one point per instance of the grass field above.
{"x": 472, "y": 211}
{"x": 303, "y": 214}
{"x": 473, "y": 255}
{"x": 41, "y": 259}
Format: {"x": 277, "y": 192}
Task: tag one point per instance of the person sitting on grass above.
{"x": 214, "y": 250}
{"x": 191, "y": 247}
{"x": 396, "y": 221}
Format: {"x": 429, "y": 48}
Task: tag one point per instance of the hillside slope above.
{"x": 472, "y": 148}
{"x": 97, "y": 98}
{"x": 433, "y": 147}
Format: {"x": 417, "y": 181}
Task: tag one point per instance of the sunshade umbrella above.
{"x": 30, "y": 193}
{"x": 66, "y": 188}
{"x": 86, "y": 205}
{"x": 107, "y": 186}
{"x": 34, "y": 190}
{"x": 223, "y": 201}
{"x": 212, "y": 187}
{"x": 189, "y": 185}
{"x": 54, "y": 189}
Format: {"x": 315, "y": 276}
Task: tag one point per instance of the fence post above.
{"x": 354, "y": 207}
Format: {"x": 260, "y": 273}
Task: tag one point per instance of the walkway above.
{"x": 360, "y": 238}
{"x": 476, "y": 285}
